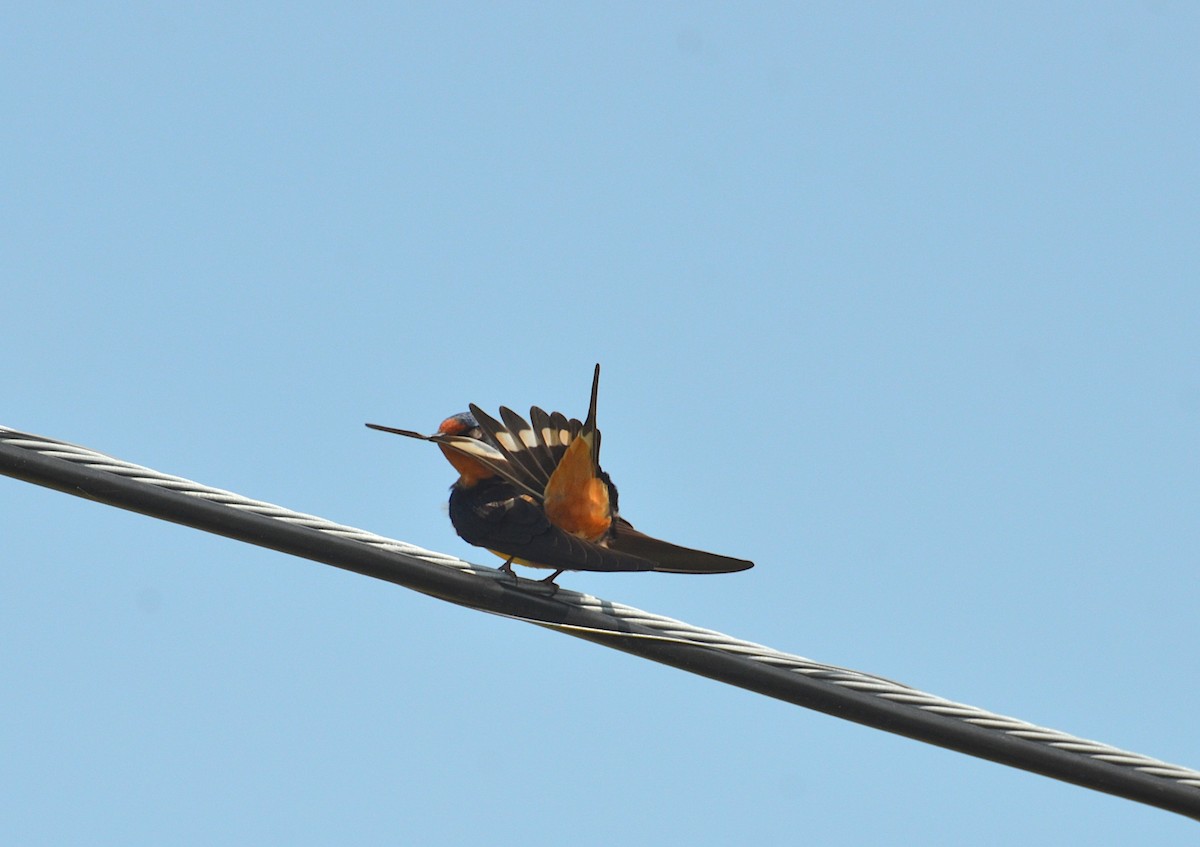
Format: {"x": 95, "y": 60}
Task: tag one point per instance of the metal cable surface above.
{"x": 618, "y": 625}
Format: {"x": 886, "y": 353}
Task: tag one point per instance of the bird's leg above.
{"x": 550, "y": 579}
{"x": 507, "y": 567}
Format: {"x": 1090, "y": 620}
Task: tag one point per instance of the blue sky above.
{"x": 898, "y": 301}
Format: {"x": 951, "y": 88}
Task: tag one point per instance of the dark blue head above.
{"x": 463, "y": 423}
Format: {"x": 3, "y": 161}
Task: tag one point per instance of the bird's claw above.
{"x": 508, "y": 569}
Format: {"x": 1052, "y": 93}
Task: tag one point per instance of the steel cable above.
{"x": 842, "y": 692}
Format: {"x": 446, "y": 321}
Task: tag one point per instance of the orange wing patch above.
{"x": 576, "y": 499}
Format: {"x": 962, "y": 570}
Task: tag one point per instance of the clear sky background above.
{"x": 901, "y": 302}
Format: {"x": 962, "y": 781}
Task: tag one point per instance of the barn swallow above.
{"x": 536, "y": 495}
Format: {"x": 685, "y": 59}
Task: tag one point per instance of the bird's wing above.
{"x": 670, "y": 558}
{"x": 535, "y": 451}
{"x": 531, "y": 453}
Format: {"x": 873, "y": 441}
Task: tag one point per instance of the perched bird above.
{"x": 535, "y": 494}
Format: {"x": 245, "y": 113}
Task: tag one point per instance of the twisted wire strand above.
{"x": 658, "y": 626}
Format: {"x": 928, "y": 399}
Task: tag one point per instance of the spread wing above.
{"x": 535, "y": 451}
{"x": 531, "y": 452}
{"x": 670, "y": 558}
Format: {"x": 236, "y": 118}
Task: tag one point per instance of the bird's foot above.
{"x": 549, "y": 581}
{"x": 508, "y": 568}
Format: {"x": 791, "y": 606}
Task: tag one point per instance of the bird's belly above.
{"x": 516, "y": 560}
